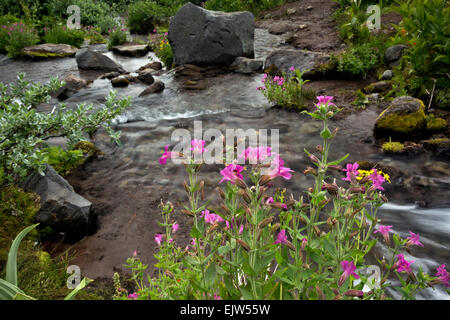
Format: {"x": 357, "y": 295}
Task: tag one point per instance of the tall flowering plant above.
{"x": 162, "y": 48}
{"x": 260, "y": 243}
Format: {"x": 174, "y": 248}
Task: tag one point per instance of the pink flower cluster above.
{"x": 211, "y": 218}
{"x": 256, "y": 155}
{"x": 402, "y": 265}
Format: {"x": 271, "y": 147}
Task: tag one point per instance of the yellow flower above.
{"x": 364, "y": 173}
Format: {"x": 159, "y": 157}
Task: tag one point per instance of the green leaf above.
{"x": 11, "y": 266}
{"x": 79, "y": 287}
{"x": 8, "y": 291}
{"x": 246, "y": 294}
{"x": 338, "y": 161}
{"x": 326, "y": 133}
{"x": 195, "y": 233}
{"x": 210, "y": 274}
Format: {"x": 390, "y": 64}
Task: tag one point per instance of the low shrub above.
{"x": 61, "y": 34}
{"x": 161, "y": 47}
{"x": 93, "y": 35}
{"x": 14, "y": 37}
{"x": 357, "y": 60}
{"x": 286, "y": 90}
{"x": 117, "y": 36}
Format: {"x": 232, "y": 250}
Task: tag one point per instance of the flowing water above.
{"x": 126, "y": 176}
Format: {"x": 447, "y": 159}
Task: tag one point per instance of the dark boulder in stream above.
{"x": 62, "y": 208}
{"x": 93, "y": 60}
{"x": 203, "y": 37}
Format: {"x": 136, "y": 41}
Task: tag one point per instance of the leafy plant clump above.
{"x": 264, "y": 244}
{"x": 24, "y": 130}
{"x": 357, "y": 60}
{"x": 287, "y": 90}
{"x": 117, "y": 36}
{"x": 16, "y": 36}
{"x": 61, "y": 34}
{"x": 161, "y": 47}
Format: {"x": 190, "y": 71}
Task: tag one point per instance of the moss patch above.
{"x": 436, "y": 124}
{"x": 46, "y": 55}
{"x": 393, "y": 147}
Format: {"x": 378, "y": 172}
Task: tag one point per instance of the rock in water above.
{"x": 61, "y": 208}
{"x": 131, "y": 49}
{"x": 73, "y": 84}
{"x": 246, "y": 65}
{"x": 283, "y": 59}
{"x": 49, "y": 50}
{"x": 203, "y": 37}
{"x": 156, "y": 87}
{"x": 93, "y": 60}
{"x": 403, "y": 119}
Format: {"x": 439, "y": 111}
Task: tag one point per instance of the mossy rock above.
{"x": 439, "y": 146}
{"x": 393, "y": 147}
{"x": 436, "y": 124}
{"x": 88, "y": 148}
{"x": 403, "y": 119}
{"x": 49, "y": 50}
{"x": 379, "y": 87}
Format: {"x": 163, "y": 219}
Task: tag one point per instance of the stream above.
{"x": 127, "y": 182}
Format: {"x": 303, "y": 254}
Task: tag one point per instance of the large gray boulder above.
{"x": 283, "y": 59}
{"x": 93, "y": 60}
{"x": 203, "y": 37}
{"x": 61, "y": 208}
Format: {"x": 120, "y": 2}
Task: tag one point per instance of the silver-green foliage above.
{"x": 24, "y": 130}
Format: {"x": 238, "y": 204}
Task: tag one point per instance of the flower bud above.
{"x": 186, "y": 212}
{"x": 265, "y": 222}
{"x": 289, "y": 245}
{"x": 332, "y": 188}
{"x": 319, "y": 148}
{"x": 245, "y": 196}
{"x": 314, "y": 159}
{"x": 335, "y": 167}
{"x": 243, "y": 245}
{"x": 201, "y": 188}
{"x": 241, "y": 183}
{"x": 361, "y": 189}
{"x": 221, "y": 193}
{"x": 311, "y": 171}
{"x": 275, "y": 227}
{"x": 264, "y": 180}
{"x": 186, "y": 187}
{"x": 354, "y": 293}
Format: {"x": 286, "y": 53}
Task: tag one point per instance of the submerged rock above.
{"x": 246, "y": 65}
{"x": 93, "y": 60}
{"x": 49, "y": 50}
{"x": 404, "y": 118}
{"x": 61, "y": 208}
{"x": 131, "y": 49}
{"x": 156, "y": 87}
{"x": 203, "y": 37}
